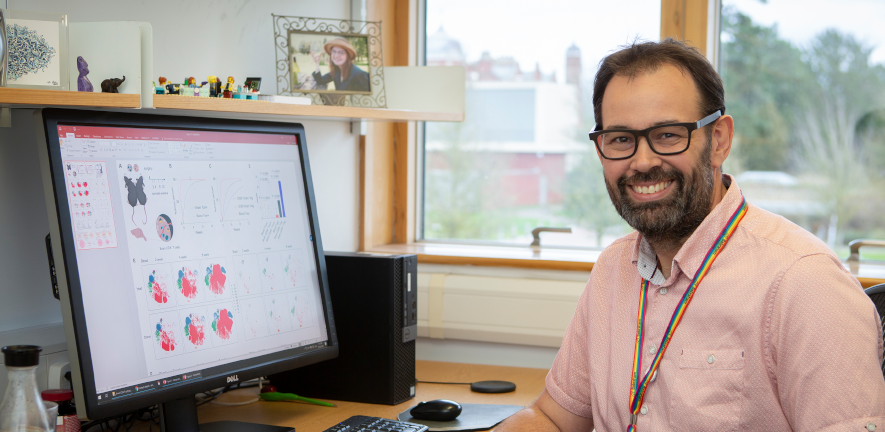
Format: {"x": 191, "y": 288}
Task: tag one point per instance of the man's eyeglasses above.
{"x": 668, "y": 139}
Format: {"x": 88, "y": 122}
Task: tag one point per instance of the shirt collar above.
{"x": 691, "y": 254}
{"x": 647, "y": 262}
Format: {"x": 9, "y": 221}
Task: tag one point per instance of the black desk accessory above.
{"x": 374, "y": 298}
{"x": 437, "y": 410}
{"x": 483, "y": 386}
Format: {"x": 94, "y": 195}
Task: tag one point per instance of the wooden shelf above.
{"x": 16, "y": 97}
{"x": 29, "y": 97}
{"x": 321, "y": 111}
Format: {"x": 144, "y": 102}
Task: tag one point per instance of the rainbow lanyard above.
{"x": 637, "y": 386}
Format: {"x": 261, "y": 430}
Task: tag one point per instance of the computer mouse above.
{"x": 437, "y": 410}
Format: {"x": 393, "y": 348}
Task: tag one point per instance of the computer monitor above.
{"x": 187, "y": 252}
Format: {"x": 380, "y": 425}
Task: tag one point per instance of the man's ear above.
{"x": 723, "y": 133}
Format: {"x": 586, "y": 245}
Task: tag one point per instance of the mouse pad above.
{"x": 473, "y": 417}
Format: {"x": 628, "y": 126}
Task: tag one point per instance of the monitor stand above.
{"x": 180, "y": 415}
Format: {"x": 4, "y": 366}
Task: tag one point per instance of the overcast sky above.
{"x": 543, "y": 33}
{"x": 800, "y": 20}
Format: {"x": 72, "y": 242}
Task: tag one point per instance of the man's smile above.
{"x": 649, "y": 191}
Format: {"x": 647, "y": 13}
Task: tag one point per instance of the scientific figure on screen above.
{"x": 343, "y": 73}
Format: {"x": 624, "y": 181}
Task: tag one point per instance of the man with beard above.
{"x": 714, "y": 314}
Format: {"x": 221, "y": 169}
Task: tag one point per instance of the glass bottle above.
{"x": 22, "y": 409}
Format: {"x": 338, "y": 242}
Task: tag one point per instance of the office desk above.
{"x": 313, "y": 418}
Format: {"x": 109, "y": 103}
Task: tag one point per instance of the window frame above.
{"x": 697, "y": 13}
{"x": 397, "y": 212}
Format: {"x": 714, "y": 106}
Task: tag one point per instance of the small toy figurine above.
{"x": 83, "y": 83}
{"x": 228, "y": 88}
{"x": 212, "y": 90}
{"x": 110, "y": 85}
{"x": 172, "y": 88}
{"x": 161, "y": 89}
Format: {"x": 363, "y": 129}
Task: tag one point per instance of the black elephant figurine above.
{"x": 110, "y": 85}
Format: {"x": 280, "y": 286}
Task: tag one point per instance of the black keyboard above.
{"x": 375, "y": 424}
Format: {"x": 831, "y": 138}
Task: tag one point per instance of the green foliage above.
{"x": 766, "y": 84}
{"x": 455, "y": 178}
{"x": 361, "y": 45}
{"x": 586, "y": 198}
{"x": 815, "y": 112}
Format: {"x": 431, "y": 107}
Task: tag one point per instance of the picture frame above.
{"x": 332, "y": 61}
{"x": 253, "y": 83}
{"x": 26, "y": 33}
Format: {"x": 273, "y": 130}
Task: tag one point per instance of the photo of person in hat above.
{"x": 343, "y": 73}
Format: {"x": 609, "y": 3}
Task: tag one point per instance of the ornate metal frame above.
{"x": 284, "y": 25}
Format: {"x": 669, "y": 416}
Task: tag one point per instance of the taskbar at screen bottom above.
{"x": 176, "y": 380}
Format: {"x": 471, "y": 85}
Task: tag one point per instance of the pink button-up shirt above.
{"x": 778, "y": 337}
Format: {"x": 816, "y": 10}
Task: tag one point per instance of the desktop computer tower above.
{"x": 374, "y": 301}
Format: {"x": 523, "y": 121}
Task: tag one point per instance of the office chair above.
{"x": 877, "y": 295}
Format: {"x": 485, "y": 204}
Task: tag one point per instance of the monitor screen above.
{"x": 194, "y": 249}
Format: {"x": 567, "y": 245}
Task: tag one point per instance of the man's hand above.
{"x": 544, "y": 414}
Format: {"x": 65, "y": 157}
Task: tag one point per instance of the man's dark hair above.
{"x": 644, "y": 57}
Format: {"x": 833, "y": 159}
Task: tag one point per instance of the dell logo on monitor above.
{"x": 232, "y": 378}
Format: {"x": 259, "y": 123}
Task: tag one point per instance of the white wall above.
{"x": 199, "y": 37}
{"x": 191, "y": 38}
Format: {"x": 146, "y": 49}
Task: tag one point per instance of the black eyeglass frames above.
{"x": 667, "y": 139}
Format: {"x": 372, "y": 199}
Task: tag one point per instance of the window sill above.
{"x": 496, "y": 256}
{"x": 549, "y": 259}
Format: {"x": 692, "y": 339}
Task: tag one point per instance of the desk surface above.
{"x": 313, "y": 418}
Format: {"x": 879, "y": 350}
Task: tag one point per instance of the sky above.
{"x": 598, "y": 27}
{"x": 543, "y": 33}
{"x": 800, "y": 20}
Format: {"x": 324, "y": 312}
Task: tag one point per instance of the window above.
{"x": 807, "y": 91}
{"x": 521, "y": 159}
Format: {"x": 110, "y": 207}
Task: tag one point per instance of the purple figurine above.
{"x": 83, "y": 83}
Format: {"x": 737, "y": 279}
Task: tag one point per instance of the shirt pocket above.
{"x": 706, "y": 389}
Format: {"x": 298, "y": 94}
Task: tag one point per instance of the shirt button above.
{"x": 711, "y": 359}
{"x": 644, "y": 411}
{"x": 654, "y": 376}
{"x": 870, "y": 426}
{"x": 663, "y": 291}
{"x": 653, "y": 350}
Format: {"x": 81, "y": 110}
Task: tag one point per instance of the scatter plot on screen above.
{"x": 253, "y": 311}
{"x": 278, "y": 320}
{"x": 159, "y": 286}
{"x": 293, "y": 266}
{"x": 216, "y": 279}
{"x": 225, "y": 325}
{"x": 188, "y": 282}
{"x": 271, "y": 272}
{"x": 195, "y": 328}
{"x": 166, "y": 335}
{"x": 299, "y": 309}
{"x": 247, "y": 274}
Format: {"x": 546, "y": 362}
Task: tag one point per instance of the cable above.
{"x": 213, "y": 397}
{"x": 437, "y": 382}
{"x": 248, "y": 402}
{"x": 245, "y": 384}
